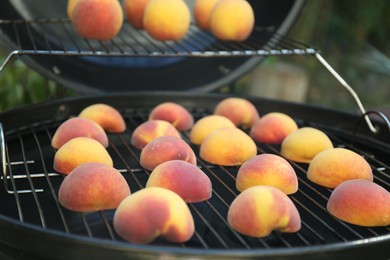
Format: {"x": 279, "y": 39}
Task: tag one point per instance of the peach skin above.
{"x": 204, "y": 126}
{"x": 173, "y": 113}
{"x": 239, "y": 110}
{"x": 77, "y": 151}
{"x": 134, "y": 12}
{"x": 166, "y": 148}
{"x": 167, "y": 19}
{"x": 232, "y": 20}
{"x": 78, "y": 127}
{"x": 360, "y": 202}
{"x": 106, "y": 116}
{"x": 150, "y": 130}
{"x": 92, "y": 187}
{"x": 272, "y": 128}
{"x": 267, "y": 169}
{"x": 331, "y": 167}
{"x": 97, "y": 19}
{"x": 153, "y": 212}
{"x": 187, "y": 180}
{"x": 228, "y": 147}
{"x": 304, "y": 144}
{"x": 202, "y": 12}
{"x": 259, "y": 210}
{"x": 70, "y": 7}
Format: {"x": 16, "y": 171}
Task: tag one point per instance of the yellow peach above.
{"x": 134, "y": 11}
{"x": 173, "y": 113}
{"x": 202, "y": 12}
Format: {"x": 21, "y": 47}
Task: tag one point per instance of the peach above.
{"x": 134, "y": 11}
{"x": 91, "y": 187}
{"x": 153, "y": 212}
{"x": 166, "y": 148}
{"x": 204, "y": 126}
{"x": 78, "y": 127}
{"x": 202, "y": 12}
{"x": 106, "y": 116}
{"x": 304, "y": 144}
{"x": 232, "y": 20}
{"x": 70, "y": 7}
{"x": 259, "y": 210}
{"x": 97, "y": 19}
{"x": 239, "y": 110}
{"x": 272, "y": 128}
{"x": 228, "y": 147}
{"x": 331, "y": 167}
{"x": 184, "y": 178}
{"x": 167, "y": 19}
{"x": 150, "y": 130}
{"x": 173, "y": 113}
{"x": 360, "y": 202}
{"x": 267, "y": 169}
{"x": 80, "y": 150}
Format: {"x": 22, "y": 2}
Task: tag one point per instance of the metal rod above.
{"x": 3, "y": 158}
{"x": 349, "y": 88}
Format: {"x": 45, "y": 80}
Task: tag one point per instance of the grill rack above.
{"x": 32, "y": 144}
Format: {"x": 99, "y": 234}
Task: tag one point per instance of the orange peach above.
{"x": 134, "y": 11}
{"x": 239, "y": 110}
{"x": 331, "y": 167}
{"x": 272, "y": 128}
{"x": 202, "y": 12}
{"x": 97, "y": 19}
{"x": 150, "y": 130}
{"x": 80, "y": 150}
{"x": 173, "y": 113}
{"x": 228, "y": 147}
{"x": 91, "y": 187}
{"x": 70, "y": 7}
{"x": 106, "y": 116}
{"x": 78, "y": 127}
{"x": 154, "y": 212}
{"x": 184, "y": 178}
{"x": 267, "y": 169}
{"x": 167, "y": 19}
{"x": 360, "y": 202}
{"x": 232, "y": 20}
{"x": 166, "y": 148}
{"x": 206, "y": 125}
{"x": 304, "y": 144}
{"x": 259, "y": 210}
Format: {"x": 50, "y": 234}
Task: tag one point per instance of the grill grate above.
{"x": 58, "y": 37}
{"x": 29, "y": 165}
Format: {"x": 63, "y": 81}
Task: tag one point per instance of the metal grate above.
{"x": 34, "y": 185}
{"x": 58, "y": 37}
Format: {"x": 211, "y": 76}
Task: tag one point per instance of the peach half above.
{"x": 331, "y": 167}
{"x": 134, "y": 12}
{"x": 239, "y": 110}
{"x": 202, "y": 12}
{"x": 77, "y": 151}
{"x": 92, "y": 187}
{"x": 78, "y": 127}
{"x": 232, "y": 20}
{"x": 187, "y": 180}
{"x": 228, "y": 147}
{"x": 360, "y": 202}
{"x": 150, "y": 130}
{"x": 272, "y": 128}
{"x": 153, "y": 212}
{"x": 173, "y": 113}
{"x": 166, "y": 148}
{"x": 304, "y": 144}
{"x": 267, "y": 169}
{"x": 106, "y": 116}
{"x": 204, "y": 126}
{"x": 97, "y": 19}
{"x": 259, "y": 210}
{"x": 167, "y": 19}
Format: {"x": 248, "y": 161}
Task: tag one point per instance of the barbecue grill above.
{"x": 34, "y": 225}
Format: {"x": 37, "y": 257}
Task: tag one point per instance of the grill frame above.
{"x": 61, "y": 109}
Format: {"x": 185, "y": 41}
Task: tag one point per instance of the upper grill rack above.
{"x": 58, "y": 37}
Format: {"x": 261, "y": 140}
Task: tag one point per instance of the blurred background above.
{"x": 352, "y": 36}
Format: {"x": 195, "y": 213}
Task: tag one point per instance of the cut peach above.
{"x": 173, "y": 113}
